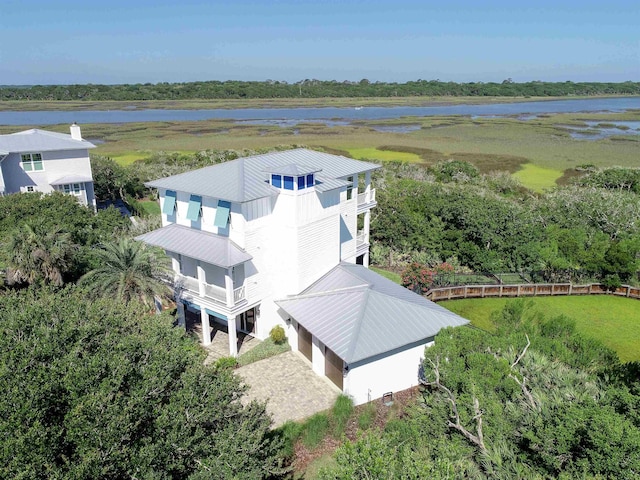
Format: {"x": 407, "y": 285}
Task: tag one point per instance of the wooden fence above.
{"x": 528, "y": 290}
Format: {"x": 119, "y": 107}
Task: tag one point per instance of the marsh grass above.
{"x": 538, "y": 178}
{"x": 613, "y": 320}
{"x": 315, "y": 429}
{"x": 340, "y": 414}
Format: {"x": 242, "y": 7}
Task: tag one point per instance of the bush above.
{"x": 342, "y": 410}
{"x": 315, "y": 430}
{"x": 277, "y": 334}
{"x": 226, "y": 363}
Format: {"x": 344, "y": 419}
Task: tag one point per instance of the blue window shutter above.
{"x": 288, "y": 183}
{"x": 300, "y": 183}
{"x": 310, "y": 180}
{"x": 193, "y": 213}
{"x": 169, "y": 205}
{"x": 276, "y": 181}
{"x": 222, "y": 214}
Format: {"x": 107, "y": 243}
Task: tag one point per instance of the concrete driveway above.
{"x": 291, "y": 389}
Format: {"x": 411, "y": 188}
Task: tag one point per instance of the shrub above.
{"x": 225, "y": 363}
{"x": 277, "y": 334}
{"x": 342, "y": 410}
{"x": 315, "y": 430}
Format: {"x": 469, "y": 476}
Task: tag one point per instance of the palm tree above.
{"x": 129, "y": 270}
{"x": 35, "y": 254}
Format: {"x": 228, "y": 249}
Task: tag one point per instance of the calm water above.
{"x": 311, "y": 114}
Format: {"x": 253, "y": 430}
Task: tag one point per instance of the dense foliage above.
{"x": 589, "y": 232}
{"x": 534, "y": 400}
{"x": 100, "y": 390}
{"x": 310, "y": 88}
{"x": 50, "y": 238}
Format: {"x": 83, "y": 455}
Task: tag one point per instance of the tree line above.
{"x": 311, "y": 88}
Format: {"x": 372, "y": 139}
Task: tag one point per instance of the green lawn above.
{"x": 613, "y": 320}
{"x": 152, "y": 207}
{"x": 394, "y": 277}
{"x": 384, "y": 155}
{"x": 537, "y": 178}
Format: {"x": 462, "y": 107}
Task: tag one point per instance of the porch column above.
{"x": 233, "y": 337}
{"x": 367, "y": 225}
{"x": 365, "y": 260}
{"x": 175, "y": 264}
{"x": 202, "y": 279}
{"x": 367, "y": 186}
{"x": 206, "y": 328}
{"x": 181, "y": 319}
{"x": 228, "y": 283}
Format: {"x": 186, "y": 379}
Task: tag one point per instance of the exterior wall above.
{"x": 348, "y": 226}
{"x": 394, "y": 372}
{"x": 57, "y": 164}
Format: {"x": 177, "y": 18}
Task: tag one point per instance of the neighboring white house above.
{"x": 41, "y": 161}
{"x": 283, "y": 239}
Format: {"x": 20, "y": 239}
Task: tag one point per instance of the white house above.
{"x": 41, "y": 161}
{"x": 283, "y": 239}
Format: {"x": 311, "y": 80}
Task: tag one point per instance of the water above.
{"x": 332, "y": 114}
{"x": 599, "y": 130}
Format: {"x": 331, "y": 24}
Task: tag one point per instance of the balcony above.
{"x": 366, "y": 200}
{"x": 211, "y": 292}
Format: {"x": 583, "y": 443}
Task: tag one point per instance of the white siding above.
{"x": 348, "y": 229}
{"x": 391, "y": 373}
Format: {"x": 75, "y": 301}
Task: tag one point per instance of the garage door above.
{"x": 304, "y": 341}
{"x": 333, "y": 366}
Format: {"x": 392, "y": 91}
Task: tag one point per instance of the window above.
{"x": 32, "y": 162}
{"x": 300, "y": 183}
{"x": 169, "y": 205}
{"x": 71, "y": 188}
{"x": 310, "y": 181}
{"x": 288, "y": 183}
{"x": 276, "y": 181}
{"x": 350, "y": 189}
{"x": 222, "y": 214}
{"x": 194, "y": 211}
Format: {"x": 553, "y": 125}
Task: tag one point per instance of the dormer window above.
{"x": 292, "y": 177}
{"x": 288, "y": 183}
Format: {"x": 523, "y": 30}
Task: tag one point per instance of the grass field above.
{"x": 538, "y": 151}
{"x": 537, "y": 178}
{"x": 613, "y": 320}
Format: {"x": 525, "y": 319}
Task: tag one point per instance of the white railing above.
{"x": 214, "y": 292}
{"x": 189, "y": 283}
{"x": 360, "y": 238}
{"x": 238, "y": 294}
{"x": 362, "y": 197}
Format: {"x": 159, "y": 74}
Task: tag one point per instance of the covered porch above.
{"x": 221, "y": 336}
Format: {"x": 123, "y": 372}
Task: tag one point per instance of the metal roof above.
{"x": 204, "y": 246}
{"x": 245, "y": 179}
{"x": 71, "y": 179}
{"x": 292, "y": 169}
{"x": 36, "y": 140}
{"x": 359, "y": 314}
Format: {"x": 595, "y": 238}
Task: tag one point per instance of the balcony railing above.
{"x": 362, "y": 197}
{"x": 360, "y": 238}
{"x": 213, "y": 292}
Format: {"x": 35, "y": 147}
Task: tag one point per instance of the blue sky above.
{"x": 116, "y": 41}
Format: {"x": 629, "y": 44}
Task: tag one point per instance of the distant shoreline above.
{"x": 355, "y": 102}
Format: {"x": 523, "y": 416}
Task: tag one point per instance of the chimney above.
{"x": 75, "y": 132}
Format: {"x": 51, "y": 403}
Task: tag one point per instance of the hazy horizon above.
{"x": 144, "y": 41}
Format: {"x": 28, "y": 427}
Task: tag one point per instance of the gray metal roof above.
{"x": 36, "y": 140}
{"x": 359, "y": 314}
{"x": 245, "y": 179}
{"x": 204, "y": 246}
{"x": 292, "y": 169}
{"x": 71, "y": 179}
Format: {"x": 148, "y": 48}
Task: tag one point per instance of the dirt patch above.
{"x": 569, "y": 175}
